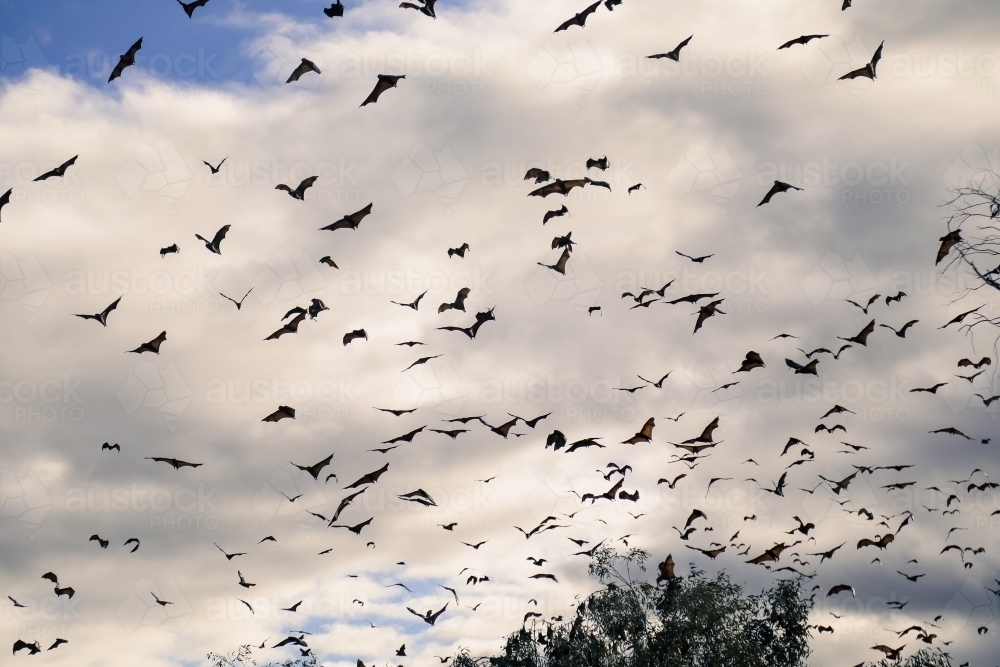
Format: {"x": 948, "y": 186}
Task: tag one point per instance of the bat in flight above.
{"x": 350, "y": 221}
{"x": 426, "y": 7}
{"x": 32, "y": 648}
{"x": 431, "y": 616}
{"x": 804, "y": 39}
{"x": 674, "y": 55}
{"x": 283, "y": 412}
{"x": 947, "y": 243}
{"x": 777, "y": 188}
{"x": 901, "y": 332}
{"x": 215, "y": 170}
{"x": 213, "y": 245}
{"x": 598, "y": 163}
{"x": 176, "y": 464}
{"x": 458, "y": 303}
{"x": 580, "y": 18}
{"x": 460, "y": 251}
{"x": 868, "y": 71}
{"x": 334, "y": 10}
{"x": 125, "y": 60}
{"x": 708, "y": 310}
{"x": 5, "y": 199}
{"x": 300, "y": 191}
{"x": 239, "y": 304}
{"x": 865, "y": 307}
{"x": 292, "y": 326}
{"x": 316, "y": 468}
{"x": 696, "y": 260}
{"x": 415, "y": 304}
{"x": 560, "y": 265}
{"x": 563, "y": 241}
{"x": 102, "y": 316}
{"x": 752, "y": 361}
{"x": 109, "y": 447}
{"x": 152, "y": 346}
{"x": 169, "y": 250}
{"x": 304, "y": 67}
{"x": 481, "y": 319}
{"x": 385, "y": 82}
{"x": 559, "y": 212}
{"x": 189, "y": 7}
{"x": 538, "y": 174}
{"x": 985, "y": 361}
{"x": 861, "y": 338}
{"x": 370, "y": 478}
{"x": 58, "y": 171}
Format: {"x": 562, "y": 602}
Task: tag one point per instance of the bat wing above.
{"x": 545, "y": 190}
{"x": 300, "y": 191}
{"x": 113, "y": 306}
{"x": 219, "y": 235}
{"x": 383, "y": 85}
{"x": 358, "y": 216}
{"x": 775, "y": 189}
{"x": 561, "y": 264}
{"x": 862, "y": 72}
{"x": 863, "y": 335}
{"x": 576, "y": 20}
{"x": 876, "y": 57}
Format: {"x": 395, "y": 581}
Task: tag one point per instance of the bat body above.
{"x": 334, "y": 10}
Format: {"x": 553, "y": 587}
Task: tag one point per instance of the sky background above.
{"x": 489, "y": 92}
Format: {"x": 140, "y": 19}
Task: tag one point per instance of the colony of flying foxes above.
{"x": 800, "y": 550}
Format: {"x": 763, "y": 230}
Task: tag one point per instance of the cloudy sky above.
{"x": 490, "y": 91}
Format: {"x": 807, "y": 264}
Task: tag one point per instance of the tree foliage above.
{"x": 689, "y": 622}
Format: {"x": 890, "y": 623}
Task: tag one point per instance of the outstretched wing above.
{"x": 113, "y": 306}
{"x": 219, "y": 235}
